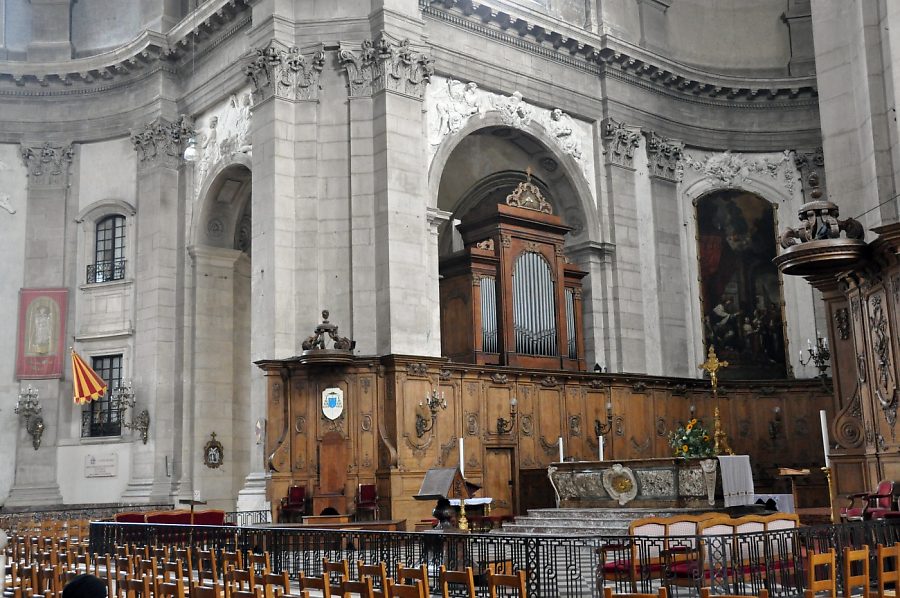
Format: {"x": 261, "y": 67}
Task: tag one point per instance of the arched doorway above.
{"x": 740, "y": 288}
{"x": 219, "y": 351}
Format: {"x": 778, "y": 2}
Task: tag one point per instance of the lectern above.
{"x": 442, "y": 484}
{"x": 793, "y": 474}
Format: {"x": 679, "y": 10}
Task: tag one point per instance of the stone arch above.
{"x": 224, "y": 203}
{"x": 552, "y": 166}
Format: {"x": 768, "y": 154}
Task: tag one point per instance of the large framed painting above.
{"x": 740, "y": 288}
{"x": 42, "y": 333}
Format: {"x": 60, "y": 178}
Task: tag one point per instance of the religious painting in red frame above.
{"x": 42, "y": 333}
{"x": 740, "y": 287}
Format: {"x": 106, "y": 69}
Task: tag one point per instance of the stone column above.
{"x": 395, "y": 75}
{"x": 51, "y": 33}
{"x": 285, "y": 301}
{"x": 159, "y": 315}
{"x": 597, "y": 259}
{"x": 45, "y": 266}
{"x": 620, "y": 142}
{"x": 663, "y": 156}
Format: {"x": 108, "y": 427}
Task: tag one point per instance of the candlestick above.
{"x": 561, "y": 454}
{"x": 462, "y": 456}
{"x": 825, "y": 442}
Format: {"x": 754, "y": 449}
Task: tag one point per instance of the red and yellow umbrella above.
{"x": 89, "y": 386}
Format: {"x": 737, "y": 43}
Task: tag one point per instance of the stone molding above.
{"x": 150, "y": 52}
{"x": 810, "y": 162}
{"x": 162, "y": 142}
{"x": 664, "y": 156}
{"x": 605, "y": 55}
{"x": 285, "y": 73}
{"x": 48, "y": 164}
{"x": 383, "y": 64}
{"x": 619, "y": 142}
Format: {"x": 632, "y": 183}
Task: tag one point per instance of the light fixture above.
{"x": 433, "y": 402}
{"x": 505, "y": 426}
{"x": 28, "y": 407}
{"x": 123, "y": 399}
{"x": 819, "y": 355}
{"x": 601, "y": 429}
{"x": 191, "y": 154}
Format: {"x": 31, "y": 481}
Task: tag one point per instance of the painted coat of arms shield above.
{"x": 332, "y": 403}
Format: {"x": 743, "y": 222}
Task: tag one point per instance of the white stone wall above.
{"x": 12, "y": 266}
{"x": 74, "y": 482}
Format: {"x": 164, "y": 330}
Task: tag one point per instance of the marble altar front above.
{"x": 652, "y": 483}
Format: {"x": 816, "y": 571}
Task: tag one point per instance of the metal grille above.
{"x": 570, "y": 324}
{"x": 109, "y": 250}
{"x": 101, "y": 417}
{"x": 489, "y": 315}
{"x": 534, "y": 308}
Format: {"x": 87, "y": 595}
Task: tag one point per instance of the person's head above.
{"x": 84, "y": 586}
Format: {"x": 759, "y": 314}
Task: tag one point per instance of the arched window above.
{"x": 109, "y": 250}
{"x": 534, "y": 307}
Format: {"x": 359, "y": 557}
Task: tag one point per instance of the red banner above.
{"x": 42, "y": 333}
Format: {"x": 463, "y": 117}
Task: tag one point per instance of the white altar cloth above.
{"x": 737, "y": 480}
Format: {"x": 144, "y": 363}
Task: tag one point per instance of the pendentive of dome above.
{"x": 527, "y": 195}
{"x": 314, "y": 349}
{"x": 817, "y": 246}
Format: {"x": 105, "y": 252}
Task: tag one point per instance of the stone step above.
{"x": 583, "y": 522}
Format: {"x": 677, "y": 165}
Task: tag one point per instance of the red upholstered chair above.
{"x": 870, "y": 505}
{"x": 367, "y": 500}
{"x": 294, "y": 504}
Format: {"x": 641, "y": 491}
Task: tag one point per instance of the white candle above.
{"x": 561, "y": 455}
{"x": 601, "y": 447}
{"x": 825, "y": 442}
{"x": 462, "y": 456}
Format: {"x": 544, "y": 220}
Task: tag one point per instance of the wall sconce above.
{"x": 28, "y": 407}
{"x": 505, "y": 426}
{"x": 123, "y": 400}
{"x": 775, "y": 424}
{"x": 433, "y": 402}
{"x": 819, "y": 355}
{"x": 601, "y": 429}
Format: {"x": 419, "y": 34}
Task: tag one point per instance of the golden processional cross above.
{"x": 711, "y": 366}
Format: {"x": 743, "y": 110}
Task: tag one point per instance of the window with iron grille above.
{"x": 101, "y": 417}
{"x": 109, "y": 251}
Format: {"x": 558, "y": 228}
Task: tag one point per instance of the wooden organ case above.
{"x": 511, "y": 297}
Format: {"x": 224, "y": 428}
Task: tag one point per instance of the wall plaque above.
{"x": 101, "y": 466}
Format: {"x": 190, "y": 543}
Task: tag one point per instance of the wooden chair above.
{"x": 294, "y": 504}
{"x": 338, "y": 572}
{"x": 140, "y": 587}
{"x": 232, "y": 560}
{"x": 367, "y": 500}
{"x": 254, "y": 593}
{"x": 818, "y": 561}
{"x": 662, "y": 593}
{"x": 705, "y": 593}
{"x": 515, "y": 582}
{"x": 377, "y": 572}
{"x": 399, "y": 590}
{"x": 239, "y": 580}
{"x": 259, "y": 562}
{"x": 148, "y": 568}
{"x": 419, "y": 573}
{"x": 211, "y": 591}
{"x": 206, "y": 568}
{"x": 363, "y": 587}
{"x": 275, "y": 585}
{"x": 174, "y": 589}
{"x": 322, "y": 584}
{"x": 463, "y": 578}
{"x": 856, "y": 560}
{"x": 887, "y": 561}
{"x": 863, "y": 505}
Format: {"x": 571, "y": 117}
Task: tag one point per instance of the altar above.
{"x": 669, "y": 482}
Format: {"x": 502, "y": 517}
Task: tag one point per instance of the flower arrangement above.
{"x": 691, "y": 440}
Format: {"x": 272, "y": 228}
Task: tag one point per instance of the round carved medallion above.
{"x": 620, "y": 483}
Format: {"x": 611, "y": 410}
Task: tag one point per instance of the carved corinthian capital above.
{"x": 619, "y": 142}
{"x": 385, "y": 65}
{"x": 285, "y": 73}
{"x": 162, "y": 142}
{"x": 47, "y": 164}
{"x": 663, "y": 156}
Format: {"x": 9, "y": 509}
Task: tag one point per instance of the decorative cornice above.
{"x": 47, "y": 165}
{"x": 606, "y": 55}
{"x": 727, "y": 169}
{"x": 161, "y": 142}
{"x": 663, "y": 156}
{"x": 285, "y": 73}
{"x": 148, "y": 53}
{"x": 619, "y": 142}
{"x": 386, "y": 65}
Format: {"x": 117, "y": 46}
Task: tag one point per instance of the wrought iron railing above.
{"x": 106, "y": 271}
{"x": 245, "y": 518}
{"x": 100, "y": 422}
{"x": 556, "y": 566}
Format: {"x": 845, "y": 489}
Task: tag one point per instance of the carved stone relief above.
{"x": 729, "y": 169}
{"x": 619, "y": 142}
{"x": 842, "y": 323}
{"x": 664, "y": 156}
{"x": 386, "y": 65}
{"x": 162, "y": 142}
{"x": 46, "y": 165}
{"x": 223, "y": 132}
{"x": 285, "y": 73}
{"x": 807, "y": 163}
